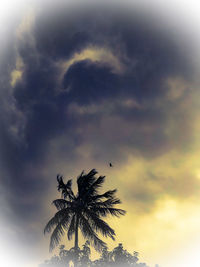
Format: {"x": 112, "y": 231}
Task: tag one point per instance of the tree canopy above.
{"x": 84, "y": 210}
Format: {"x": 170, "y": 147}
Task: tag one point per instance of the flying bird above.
{"x": 110, "y": 165}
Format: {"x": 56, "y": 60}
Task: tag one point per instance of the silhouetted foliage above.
{"x": 117, "y": 257}
{"x": 83, "y": 210}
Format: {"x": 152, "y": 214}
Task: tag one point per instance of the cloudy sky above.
{"x": 82, "y": 86}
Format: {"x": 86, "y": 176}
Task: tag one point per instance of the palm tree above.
{"x": 83, "y": 210}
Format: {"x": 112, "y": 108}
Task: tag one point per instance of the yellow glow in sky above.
{"x": 95, "y": 54}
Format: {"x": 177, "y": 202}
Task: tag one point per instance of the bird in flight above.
{"x": 110, "y": 165}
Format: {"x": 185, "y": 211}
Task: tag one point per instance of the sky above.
{"x": 85, "y": 85}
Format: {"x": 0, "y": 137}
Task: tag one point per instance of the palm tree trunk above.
{"x": 76, "y": 233}
{"x": 76, "y": 241}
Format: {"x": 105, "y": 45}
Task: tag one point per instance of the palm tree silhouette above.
{"x": 83, "y": 210}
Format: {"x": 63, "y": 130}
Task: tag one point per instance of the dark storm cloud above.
{"x": 92, "y": 104}
{"x": 91, "y": 83}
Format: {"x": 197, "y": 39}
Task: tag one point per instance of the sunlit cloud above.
{"x": 26, "y": 24}
{"x": 23, "y": 35}
{"x": 16, "y": 74}
{"x": 98, "y": 55}
{"x": 177, "y": 88}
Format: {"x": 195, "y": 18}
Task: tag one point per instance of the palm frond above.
{"x": 72, "y": 227}
{"x": 61, "y": 203}
{"x": 60, "y": 181}
{"x": 69, "y": 183}
{"x": 58, "y": 232}
{"x": 98, "y": 183}
{"x": 93, "y": 189}
{"x": 58, "y": 217}
{"x": 65, "y": 189}
{"x": 85, "y": 181}
{"x": 104, "y": 211}
{"x": 99, "y": 225}
{"x": 89, "y": 233}
{"x": 109, "y": 203}
{"x": 108, "y": 194}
